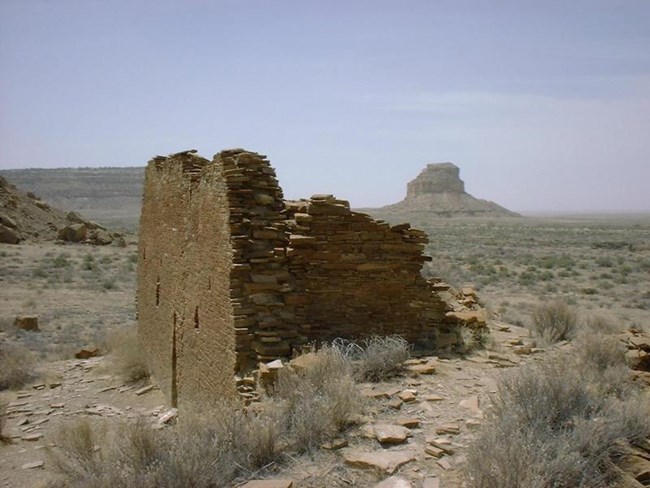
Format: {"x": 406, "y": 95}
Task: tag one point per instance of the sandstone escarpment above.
{"x": 439, "y": 191}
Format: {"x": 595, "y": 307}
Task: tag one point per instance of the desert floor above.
{"x": 599, "y": 265}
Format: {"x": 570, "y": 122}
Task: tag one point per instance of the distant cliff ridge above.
{"x": 439, "y": 191}
{"x": 110, "y": 196}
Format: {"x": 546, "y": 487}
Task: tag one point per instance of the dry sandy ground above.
{"x": 457, "y": 393}
{"x": 79, "y": 292}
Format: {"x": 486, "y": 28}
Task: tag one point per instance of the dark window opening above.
{"x": 174, "y": 367}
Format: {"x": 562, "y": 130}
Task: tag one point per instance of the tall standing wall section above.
{"x": 230, "y": 275}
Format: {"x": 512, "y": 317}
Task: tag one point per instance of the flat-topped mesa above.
{"x": 438, "y": 191}
{"x": 436, "y": 178}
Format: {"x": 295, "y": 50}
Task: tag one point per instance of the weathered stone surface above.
{"x": 100, "y": 237}
{"x": 86, "y": 353}
{"x": 395, "y": 403}
{"x": 168, "y": 417}
{"x": 431, "y": 482}
{"x": 450, "y": 428}
{"x": 386, "y": 461}
{"x": 428, "y": 368}
{"x": 144, "y": 389}
{"x": 408, "y": 396}
{"x": 434, "y": 451}
{"x": 442, "y": 443}
{"x": 8, "y": 236}
{"x": 27, "y": 322}
{"x": 409, "y": 422}
{"x": 394, "y": 482}
{"x": 436, "y": 178}
{"x": 433, "y": 398}
{"x": 73, "y": 232}
{"x": 335, "y": 444}
{"x": 32, "y": 437}
{"x": 391, "y": 434}
{"x": 472, "y": 403}
{"x": 469, "y": 317}
{"x": 268, "y": 484}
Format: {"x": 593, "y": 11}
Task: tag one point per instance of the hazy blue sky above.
{"x": 544, "y": 105}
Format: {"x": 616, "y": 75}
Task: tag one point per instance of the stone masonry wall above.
{"x": 212, "y": 272}
{"x": 185, "y": 317}
{"x": 361, "y": 277}
{"x": 265, "y": 325}
{"x": 230, "y": 275}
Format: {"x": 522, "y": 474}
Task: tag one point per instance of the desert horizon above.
{"x": 289, "y": 244}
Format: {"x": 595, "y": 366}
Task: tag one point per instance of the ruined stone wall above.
{"x": 359, "y": 277}
{"x": 265, "y": 324}
{"x": 230, "y": 275}
{"x": 185, "y": 317}
{"x": 212, "y": 272}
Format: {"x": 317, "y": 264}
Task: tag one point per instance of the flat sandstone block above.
{"x": 268, "y": 484}
{"x": 386, "y": 461}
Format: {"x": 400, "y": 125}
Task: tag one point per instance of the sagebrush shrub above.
{"x": 319, "y": 401}
{"x": 16, "y": 366}
{"x": 380, "y": 358}
{"x": 230, "y": 444}
{"x": 554, "y": 321}
{"x": 558, "y": 424}
{"x": 127, "y": 353}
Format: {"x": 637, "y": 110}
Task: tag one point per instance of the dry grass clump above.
{"x": 223, "y": 447}
{"x": 599, "y": 324}
{"x": 383, "y": 357}
{"x": 3, "y": 422}
{"x": 128, "y": 358}
{"x": 319, "y": 401}
{"x": 554, "y": 321}
{"x": 599, "y": 353}
{"x": 560, "y": 424}
{"x": 377, "y": 358}
{"x": 197, "y": 452}
{"x": 16, "y": 366}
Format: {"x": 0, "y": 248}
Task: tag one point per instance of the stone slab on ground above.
{"x": 386, "y": 461}
{"x": 394, "y": 482}
{"x": 268, "y": 484}
{"x": 391, "y": 434}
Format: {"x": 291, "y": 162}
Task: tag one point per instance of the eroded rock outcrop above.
{"x": 439, "y": 191}
{"x": 24, "y": 217}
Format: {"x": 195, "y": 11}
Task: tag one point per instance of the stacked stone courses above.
{"x": 231, "y": 275}
{"x": 359, "y": 276}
